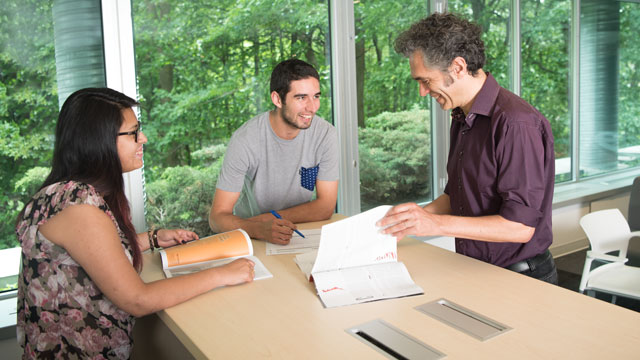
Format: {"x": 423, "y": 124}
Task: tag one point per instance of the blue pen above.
{"x": 280, "y": 217}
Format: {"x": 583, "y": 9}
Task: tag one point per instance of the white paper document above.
{"x": 298, "y": 244}
{"x": 356, "y": 263}
{"x": 305, "y": 262}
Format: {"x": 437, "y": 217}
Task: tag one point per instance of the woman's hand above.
{"x": 171, "y": 237}
{"x": 237, "y": 272}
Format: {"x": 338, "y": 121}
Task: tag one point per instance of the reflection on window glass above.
{"x": 28, "y": 106}
{"x": 203, "y": 70}
{"x": 394, "y": 124}
{"x": 493, "y": 17}
{"x": 629, "y": 88}
{"x": 609, "y": 86}
{"x": 28, "y": 110}
{"x": 545, "y": 30}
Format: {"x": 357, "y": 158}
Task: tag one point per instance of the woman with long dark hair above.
{"x": 79, "y": 288}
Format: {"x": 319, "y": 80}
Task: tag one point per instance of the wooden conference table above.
{"x": 283, "y": 318}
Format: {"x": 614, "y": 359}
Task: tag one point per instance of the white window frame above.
{"x": 120, "y": 69}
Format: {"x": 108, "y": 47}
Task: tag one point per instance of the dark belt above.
{"x": 530, "y": 263}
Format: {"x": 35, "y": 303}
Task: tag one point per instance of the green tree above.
{"x": 629, "y": 78}
{"x": 395, "y": 158}
{"x": 384, "y": 80}
{"x": 28, "y": 104}
{"x": 181, "y": 198}
{"x": 204, "y": 67}
{"x": 493, "y": 16}
{"x": 545, "y": 65}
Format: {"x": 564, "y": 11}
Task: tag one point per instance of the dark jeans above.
{"x": 541, "y": 267}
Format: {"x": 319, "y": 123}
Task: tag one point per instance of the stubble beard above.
{"x": 292, "y": 123}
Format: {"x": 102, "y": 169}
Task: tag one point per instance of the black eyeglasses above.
{"x": 135, "y": 132}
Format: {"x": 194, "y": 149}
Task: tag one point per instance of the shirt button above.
{"x": 461, "y": 152}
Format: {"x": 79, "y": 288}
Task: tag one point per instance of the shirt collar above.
{"x": 482, "y": 105}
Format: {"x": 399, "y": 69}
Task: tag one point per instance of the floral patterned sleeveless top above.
{"x": 61, "y": 312}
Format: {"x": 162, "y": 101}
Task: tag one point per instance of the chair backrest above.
{"x": 634, "y": 205}
{"x": 607, "y": 230}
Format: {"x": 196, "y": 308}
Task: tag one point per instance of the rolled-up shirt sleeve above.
{"x": 520, "y": 156}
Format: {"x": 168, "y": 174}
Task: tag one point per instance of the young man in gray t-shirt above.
{"x": 276, "y": 160}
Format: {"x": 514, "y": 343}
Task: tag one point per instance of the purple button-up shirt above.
{"x": 501, "y": 162}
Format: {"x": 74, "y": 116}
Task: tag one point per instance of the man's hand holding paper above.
{"x": 357, "y": 263}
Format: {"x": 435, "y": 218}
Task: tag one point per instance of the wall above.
{"x": 567, "y": 234}
{"x": 9, "y": 348}
{"x": 568, "y": 237}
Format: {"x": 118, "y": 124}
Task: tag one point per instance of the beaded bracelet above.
{"x": 150, "y": 241}
{"x": 155, "y": 238}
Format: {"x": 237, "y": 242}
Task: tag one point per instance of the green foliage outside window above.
{"x": 28, "y": 105}
{"x": 629, "y": 83}
{"x": 204, "y": 66}
{"x": 395, "y": 158}
{"x": 545, "y": 65}
{"x": 181, "y": 197}
{"x": 203, "y": 69}
{"x": 493, "y": 17}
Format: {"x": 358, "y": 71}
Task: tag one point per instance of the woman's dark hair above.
{"x": 86, "y": 151}
{"x": 286, "y": 72}
{"x": 441, "y": 38}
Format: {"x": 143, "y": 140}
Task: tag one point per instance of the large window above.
{"x": 203, "y": 70}
{"x": 394, "y": 123}
{"x": 629, "y": 86}
{"x": 545, "y": 38}
{"x": 28, "y": 109}
{"x": 609, "y": 86}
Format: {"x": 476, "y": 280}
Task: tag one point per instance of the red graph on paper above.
{"x": 333, "y": 288}
{"x": 389, "y": 255}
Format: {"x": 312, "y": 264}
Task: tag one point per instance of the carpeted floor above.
{"x": 569, "y": 274}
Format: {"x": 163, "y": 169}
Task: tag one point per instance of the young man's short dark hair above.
{"x": 286, "y": 72}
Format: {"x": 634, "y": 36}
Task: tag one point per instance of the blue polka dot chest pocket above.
{"x": 308, "y": 177}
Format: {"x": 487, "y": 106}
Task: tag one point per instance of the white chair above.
{"x": 608, "y": 231}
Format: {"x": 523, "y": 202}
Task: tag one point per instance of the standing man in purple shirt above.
{"x": 497, "y": 201}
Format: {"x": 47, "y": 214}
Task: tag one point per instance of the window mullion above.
{"x": 515, "y": 46}
{"x": 344, "y": 97}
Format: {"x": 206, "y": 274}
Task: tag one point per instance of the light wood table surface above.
{"x": 283, "y": 317}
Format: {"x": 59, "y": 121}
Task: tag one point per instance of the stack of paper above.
{"x": 298, "y": 244}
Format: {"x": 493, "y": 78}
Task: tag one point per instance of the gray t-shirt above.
{"x": 273, "y": 173}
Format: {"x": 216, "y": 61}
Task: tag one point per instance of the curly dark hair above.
{"x": 441, "y": 38}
